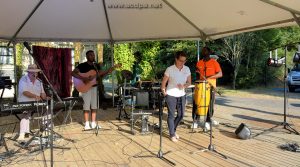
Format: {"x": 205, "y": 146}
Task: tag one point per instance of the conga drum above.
{"x": 202, "y": 97}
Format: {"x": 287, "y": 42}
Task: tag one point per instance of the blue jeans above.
{"x": 174, "y": 103}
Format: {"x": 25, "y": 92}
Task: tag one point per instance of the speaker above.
{"x": 243, "y": 132}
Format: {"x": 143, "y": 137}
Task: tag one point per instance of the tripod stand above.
{"x": 211, "y": 147}
{"x": 285, "y": 124}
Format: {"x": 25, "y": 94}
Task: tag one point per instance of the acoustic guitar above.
{"x": 84, "y": 87}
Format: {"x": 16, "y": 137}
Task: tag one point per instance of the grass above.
{"x": 259, "y": 92}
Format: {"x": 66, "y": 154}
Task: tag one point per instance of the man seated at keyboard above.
{"x": 30, "y": 89}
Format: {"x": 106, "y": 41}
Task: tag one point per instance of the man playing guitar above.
{"x": 85, "y": 81}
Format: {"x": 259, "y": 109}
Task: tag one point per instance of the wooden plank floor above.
{"x": 116, "y": 146}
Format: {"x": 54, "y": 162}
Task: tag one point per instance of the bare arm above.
{"x": 31, "y": 95}
{"x": 75, "y": 73}
{"x": 189, "y": 82}
{"x": 163, "y": 84}
{"x": 217, "y": 75}
{"x": 111, "y": 69}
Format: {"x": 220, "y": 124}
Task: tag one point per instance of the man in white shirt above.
{"x": 30, "y": 89}
{"x": 178, "y": 77}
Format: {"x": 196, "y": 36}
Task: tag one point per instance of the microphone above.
{"x": 26, "y": 44}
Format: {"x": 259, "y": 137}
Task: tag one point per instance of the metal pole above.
{"x": 198, "y": 50}
{"x": 112, "y": 76}
{"x": 15, "y": 71}
{"x": 51, "y": 130}
{"x": 285, "y": 100}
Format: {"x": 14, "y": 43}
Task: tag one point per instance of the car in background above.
{"x": 293, "y": 78}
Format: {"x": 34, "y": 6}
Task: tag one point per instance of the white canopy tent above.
{"x": 137, "y": 20}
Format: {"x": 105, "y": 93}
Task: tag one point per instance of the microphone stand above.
{"x": 161, "y": 103}
{"x": 51, "y": 101}
{"x": 97, "y": 79}
{"x": 210, "y": 147}
{"x": 42, "y": 72}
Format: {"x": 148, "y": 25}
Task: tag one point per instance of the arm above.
{"x": 31, "y": 95}
{"x": 189, "y": 82}
{"x": 75, "y": 73}
{"x": 163, "y": 84}
{"x": 217, "y": 75}
{"x": 111, "y": 69}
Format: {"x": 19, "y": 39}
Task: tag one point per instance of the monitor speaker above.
{"x": 243, "y": 132}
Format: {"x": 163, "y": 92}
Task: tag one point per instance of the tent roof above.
{"x": 137, "y": 20}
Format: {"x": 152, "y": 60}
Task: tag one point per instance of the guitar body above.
{"x": 84, "y": 87}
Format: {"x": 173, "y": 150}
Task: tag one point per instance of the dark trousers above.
{"x": 211, "y": 106}
{"x": 174, "y": 103}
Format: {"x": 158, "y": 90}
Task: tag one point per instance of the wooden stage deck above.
{"x": 116, "y": 146}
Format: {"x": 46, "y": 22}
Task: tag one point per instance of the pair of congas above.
{"x": 202, "y": 95}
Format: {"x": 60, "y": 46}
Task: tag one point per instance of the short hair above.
{"x": 88, "y": 52}
{"x": 180, "y": 53}
{"x": 208, "y": 49}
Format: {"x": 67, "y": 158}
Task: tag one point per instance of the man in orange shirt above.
{"x": 209, "y": 70}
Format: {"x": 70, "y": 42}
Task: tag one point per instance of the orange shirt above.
{"x": 207, "y": 69}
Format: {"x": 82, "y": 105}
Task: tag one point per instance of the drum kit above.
{"x": 139, "y": 99}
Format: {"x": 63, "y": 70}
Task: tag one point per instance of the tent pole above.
{"x": 25, "y": 21}
{"x": 112, "y": 78}
{"x": 15, "y": 72}
{"x": 202, "y": 34}
{"x": 253, "y": 27}
{"x": 297, "y": 20}
{"x": 198, "y": 50}
{"x": 281, "y": 6}
{"x": 112, "y": 49}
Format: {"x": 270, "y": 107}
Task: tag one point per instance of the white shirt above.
{"x": 26, "y": 85}
{"x": 176, "y": 76}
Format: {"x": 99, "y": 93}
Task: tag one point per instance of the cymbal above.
{"x": 127, "y": 74}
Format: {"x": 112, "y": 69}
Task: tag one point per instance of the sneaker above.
{"x": 177, "y": 137}
{"x": 207, "y": 126}
{"x": 87, "y": 126}
{"x": 21, "y": 137}
{"x": 173, "y": 139}
{"x": 93, "y": 125}
{"x": 194, "y": 125}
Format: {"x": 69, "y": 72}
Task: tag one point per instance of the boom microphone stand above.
{"x": 53, "y": 91}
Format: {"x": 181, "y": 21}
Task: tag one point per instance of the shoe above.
{"x": 93, "y": 125}
{"x": 21, "y": 137}
{"x": 173, "y": 139}
{"x": 215, "y": 123}
{"x": 207, "y": 126}
{"x": 87, "y": 126}
{"x": 177, "y": 137}
{"x": 194, "y": 125}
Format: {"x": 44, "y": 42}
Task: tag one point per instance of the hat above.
{"x": 33, "y": 68}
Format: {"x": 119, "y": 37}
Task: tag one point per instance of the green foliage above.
{"x": 123, "y": 54}
{"x": 156, "y": 56}
{"x": 148, "y": 64}
{"x": 19, "y": 62}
